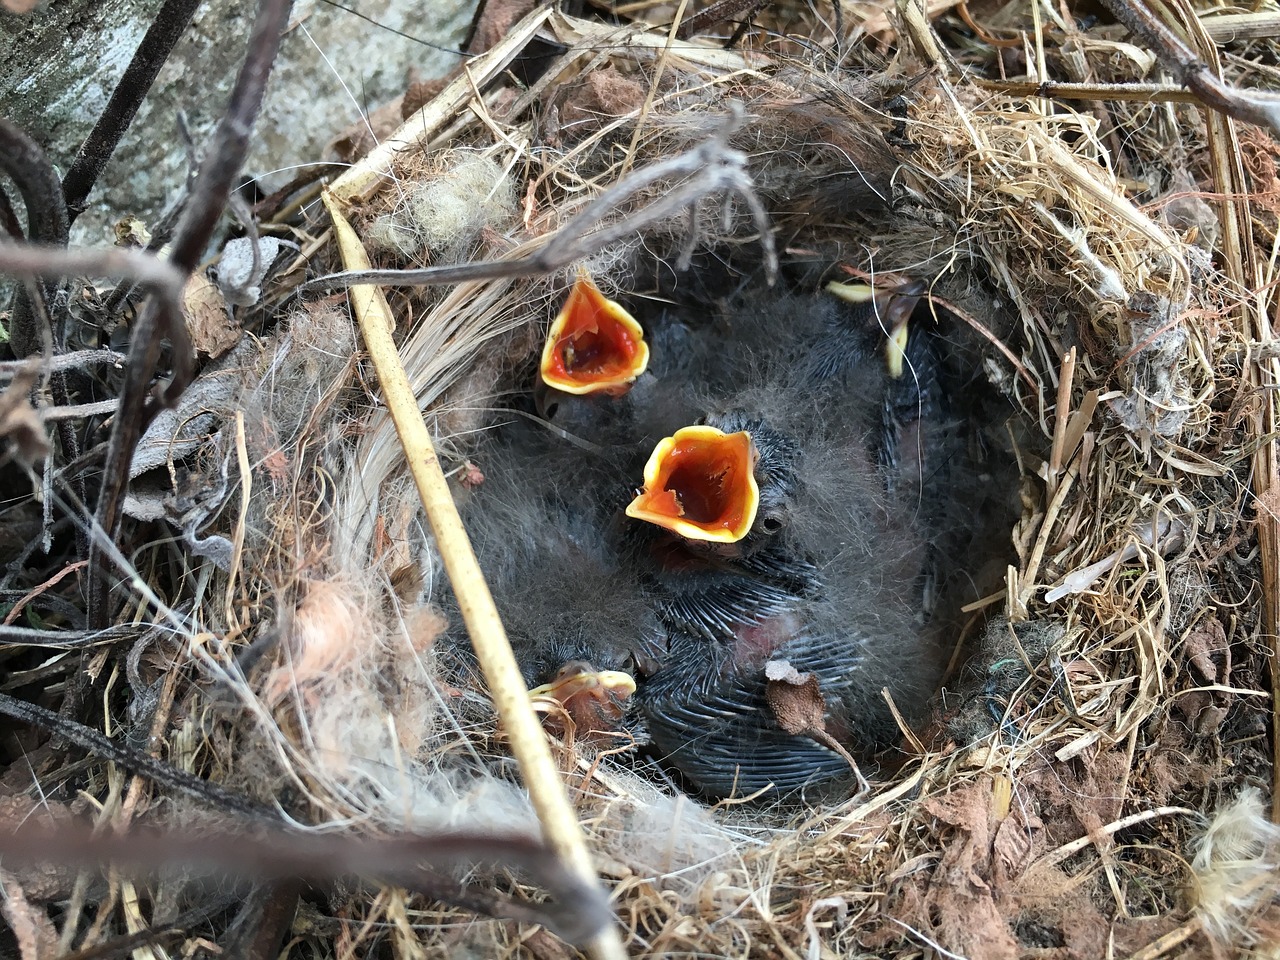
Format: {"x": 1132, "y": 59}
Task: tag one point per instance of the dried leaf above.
{"x": 132, "y": 232}
{"x": 1012, "y": 847}
{"x": 212, "y": 329}
{"x": 19, "y": 421}
{"x": 1208, "y": 651}
{"x": 800, "y": 710}
{"x": 239, "y": 278}
{"x": 795, "y": 699}
{"x": 18, "y": 6}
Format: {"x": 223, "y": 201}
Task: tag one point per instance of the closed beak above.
{"x": 894, "y": 307}
{"x": 593, "y": 699}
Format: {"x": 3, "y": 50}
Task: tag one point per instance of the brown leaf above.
{"x": 1208, "y": 652}
{"x": 1012, "y": 848}
{"x": 797, "y": 704}
{"x": 18, "y": 6}
{"x": 19, "y": 421}
{"x": 496, "y": 20}
{"x": 132, "y": 232}
{"x": 212, "y": 328}
{"x": 795, "y": 699}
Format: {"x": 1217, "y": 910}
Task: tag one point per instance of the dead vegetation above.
{"x": 1093, "y": 783}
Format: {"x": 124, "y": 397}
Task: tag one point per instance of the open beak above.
{"x": 594, "y": 345}
{"x": 701, "y": 484}
{"x": 595, "y": 700}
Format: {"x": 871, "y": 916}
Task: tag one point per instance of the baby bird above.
{"x": 576, "y": 617}
{"x": 719, "y": 494}
{"x": 814, "y": 565}
{"x": 776, "y": 555}
{"x": 594, "y": 344}
{"x": 596, "y": 387}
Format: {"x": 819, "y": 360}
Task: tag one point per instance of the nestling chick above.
{"x": 828, "y": 579}
{"x": 575, "y": 616}
{"x": 792, "y": 491}
{"x": 594, "y": 345}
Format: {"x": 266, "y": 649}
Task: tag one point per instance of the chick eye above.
{"x": 770, "y": 524}
{"x": 549, "y": 411}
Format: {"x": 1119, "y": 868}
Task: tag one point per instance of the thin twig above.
{"x": 165, "y": 774}
{"x": 158, "y": 42}
{"x": 1061, "y": 411}
{"x": 17, "y": 636}
{"x": 708, "y": 168}
{"x": 160, "y": 276}
{"x": 1178, "y": 58}
{"x": 37, "y": 322}
{"x": 63, "y": 361}
{"x": 179, "y": 927}
{"x": 1110, "y": 830}
{"x": 265, "y": 916}
{"x": 1051, "y": 89}
{"x": 208, "y": 199}
{"x": 165, "y": 281}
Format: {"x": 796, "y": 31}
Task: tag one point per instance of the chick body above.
{"x": 828, "y": 581}
{"x": 537, "y": 525}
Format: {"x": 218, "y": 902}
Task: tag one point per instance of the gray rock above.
{"x": 63, "y": 59}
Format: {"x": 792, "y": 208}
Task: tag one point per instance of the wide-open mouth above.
{"x": 594, "y": 345}
{"x": 700, "y": 483}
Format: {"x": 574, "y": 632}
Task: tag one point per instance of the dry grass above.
{"x": 1055, "y": 806}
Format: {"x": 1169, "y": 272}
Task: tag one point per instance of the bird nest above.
{"x": 1092, "y": 779}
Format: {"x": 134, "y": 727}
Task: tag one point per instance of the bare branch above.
{"x": 23, "y": 160}
{"x": 710, "y": 167}
{"x": 415, "y": 861}
{"x": 152, "y": 52}
{"x": 208, "y": 199}
{"x": 1178, "y": 58}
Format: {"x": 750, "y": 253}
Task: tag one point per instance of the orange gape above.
{"x": 701, "y": 484}
{"x": 594, "y": 345}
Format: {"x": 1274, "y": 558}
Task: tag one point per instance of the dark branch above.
{"x": 417, "y": 862}
{"x": 128, "y": 95}
{"x": 208, "y": 199}
{"x": 23, "y": 160}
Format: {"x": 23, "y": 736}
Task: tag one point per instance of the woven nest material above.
{"x": 1092, "y": 782}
